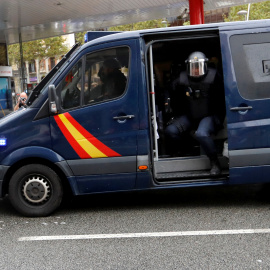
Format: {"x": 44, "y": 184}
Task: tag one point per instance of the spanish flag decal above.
{"x": 83, "y": 142}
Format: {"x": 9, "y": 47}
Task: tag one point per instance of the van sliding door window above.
{"x": 106, "y": 75}
{"x": 71, "y": 86}
{"x": 251, "y": 59}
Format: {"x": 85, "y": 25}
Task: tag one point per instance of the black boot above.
{"x": 215, "y": 167}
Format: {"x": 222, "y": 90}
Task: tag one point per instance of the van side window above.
{"x": 106, "y": 75}
{"x": 251, "y": 59}
{"x": 71, "y": 87}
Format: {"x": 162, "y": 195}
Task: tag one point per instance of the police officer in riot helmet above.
{"x": 199, "y": 106}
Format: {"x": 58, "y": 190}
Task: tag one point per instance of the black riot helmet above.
{"x": 196, "y": 65}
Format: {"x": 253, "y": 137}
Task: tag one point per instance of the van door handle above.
{"x": 241, "y": 108}
{"x": 122, "y": 117}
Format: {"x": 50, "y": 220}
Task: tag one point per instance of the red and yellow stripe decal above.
{"x": 83, "y": 142}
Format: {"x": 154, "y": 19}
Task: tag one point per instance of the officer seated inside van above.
{"x": 199, "y": 105}
{"x": 114, "y": 81}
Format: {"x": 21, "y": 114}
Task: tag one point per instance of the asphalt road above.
{"x": 197, "y": 216}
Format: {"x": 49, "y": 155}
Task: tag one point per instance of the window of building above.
{"x": 32, "y": 66}
{"x": 52, "y": 62}
{"x": 42, "y": 65}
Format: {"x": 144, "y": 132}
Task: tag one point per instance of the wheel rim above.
{"x": 36, "y": 189}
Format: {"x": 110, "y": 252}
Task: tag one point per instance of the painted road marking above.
{"x": 141, "y": 235}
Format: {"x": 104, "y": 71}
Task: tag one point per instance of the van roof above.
{"x": 167, "y": 30}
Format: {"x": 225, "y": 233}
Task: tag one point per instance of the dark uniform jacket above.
{"x": 198, "y": 98}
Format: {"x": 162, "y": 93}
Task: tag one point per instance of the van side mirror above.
{"x": 53, "y": 100}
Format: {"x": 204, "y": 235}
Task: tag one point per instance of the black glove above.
{"x": 167, "y": 106}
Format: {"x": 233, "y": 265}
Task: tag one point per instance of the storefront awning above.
{"x": 37, "y": 19}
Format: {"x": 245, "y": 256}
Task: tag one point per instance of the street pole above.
{"x": 22, "y": 65}
{"x": 248, "y": 12}
{"x": 196, "y": 12}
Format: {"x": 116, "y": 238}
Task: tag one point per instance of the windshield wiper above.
{"x": 34, "y": 94}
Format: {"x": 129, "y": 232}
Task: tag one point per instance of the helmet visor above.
{"x": 196, "y": 68}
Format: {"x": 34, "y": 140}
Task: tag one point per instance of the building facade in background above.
{"x": 36, "y": 70}
{"x": 5, "y": 82}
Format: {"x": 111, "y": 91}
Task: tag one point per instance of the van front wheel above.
{"x": 35, "y": 190}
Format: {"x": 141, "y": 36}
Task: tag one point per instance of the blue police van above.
{"x": 79, "y": 135}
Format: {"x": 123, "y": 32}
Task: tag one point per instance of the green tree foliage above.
{"x": 79, "y": 37}
{"x": 37, "y": 49}
{"x": 14, "y": 53}
{"x": 139, "y": 26}
{"x": 55, "y": 47}
{"x": 258, "y": 11}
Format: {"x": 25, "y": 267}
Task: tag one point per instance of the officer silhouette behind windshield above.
{"x": 112, "y": 81}
{"x": 199, "y": 105}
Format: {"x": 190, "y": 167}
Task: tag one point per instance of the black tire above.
{"x": 35, "y": 190}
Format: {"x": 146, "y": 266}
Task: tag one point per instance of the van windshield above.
{"x": 38, "y": 89}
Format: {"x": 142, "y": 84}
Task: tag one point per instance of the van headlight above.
{"x": 3, "y": 141}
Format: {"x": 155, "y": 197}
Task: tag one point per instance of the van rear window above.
{"x": 251, "y": 59}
